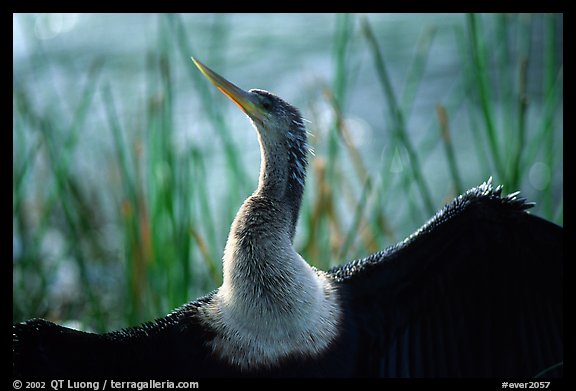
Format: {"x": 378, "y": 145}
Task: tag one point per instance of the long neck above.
{"x": 283, "y": 172}
{"x": 272, "y": 303}
{"x": 259, "y": 255}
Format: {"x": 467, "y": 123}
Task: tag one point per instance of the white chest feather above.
{"x": 269, "y": 310}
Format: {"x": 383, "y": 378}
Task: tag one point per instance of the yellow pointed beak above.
{"x": 244, "y": 99}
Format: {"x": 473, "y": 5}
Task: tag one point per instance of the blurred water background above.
{"x": 129, "y": 167}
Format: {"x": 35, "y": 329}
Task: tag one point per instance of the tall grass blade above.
{"x": 479, "y": 60}
{"x": 449, "y": 149}
{"x": 397, "y": 116}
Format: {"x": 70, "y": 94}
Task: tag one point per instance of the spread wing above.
{"x": 168, "y": 347}
{"x": 476, "y": 292}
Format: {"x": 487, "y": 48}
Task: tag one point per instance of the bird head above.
{"x": 278, "y": 123}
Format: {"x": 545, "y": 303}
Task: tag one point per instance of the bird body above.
{"x": 475, "y": 292}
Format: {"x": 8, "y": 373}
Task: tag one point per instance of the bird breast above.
{"x": 272, "y": 304}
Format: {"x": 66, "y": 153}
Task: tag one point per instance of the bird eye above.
{"x": 266, "y": 104}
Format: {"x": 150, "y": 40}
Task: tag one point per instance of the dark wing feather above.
{"x": 170, "y": 347}
{"x": 476, "y": 292}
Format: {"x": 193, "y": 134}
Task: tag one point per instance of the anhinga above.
{"x": 477, "y": 291}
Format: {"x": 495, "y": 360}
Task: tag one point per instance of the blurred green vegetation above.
{"x": 160, "y": 243}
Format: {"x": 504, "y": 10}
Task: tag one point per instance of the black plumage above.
{"x": 475, "y": 292}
